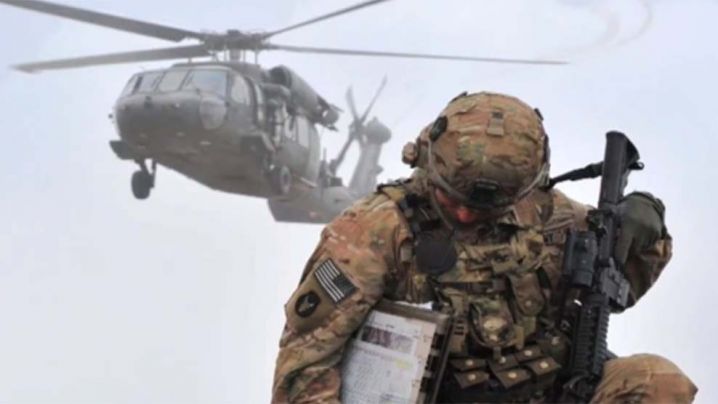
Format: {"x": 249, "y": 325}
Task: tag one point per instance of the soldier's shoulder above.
{"x": 384, "y": 201}
{"x": 566, "y": 212}
{"x": 371, "y": 207}
{"x": 376, "y": 213}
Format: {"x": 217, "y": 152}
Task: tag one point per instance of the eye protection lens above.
{"x": 484, "y": 195}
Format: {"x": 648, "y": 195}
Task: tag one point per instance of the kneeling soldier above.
{"x": 472, "y": 230}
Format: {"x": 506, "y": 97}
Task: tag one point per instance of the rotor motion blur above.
{"x": 232, "y": 125}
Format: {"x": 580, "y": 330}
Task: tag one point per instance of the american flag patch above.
{"x": 333, "y": 281}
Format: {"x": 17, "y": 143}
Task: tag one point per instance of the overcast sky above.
{"x": 178, "y": 299}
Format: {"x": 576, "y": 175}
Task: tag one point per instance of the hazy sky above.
{"x": 178, "y": 299}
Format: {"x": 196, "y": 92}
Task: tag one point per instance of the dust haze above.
{"x": 178, "y": 299}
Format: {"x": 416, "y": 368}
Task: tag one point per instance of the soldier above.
{"x": 472, "y": 229}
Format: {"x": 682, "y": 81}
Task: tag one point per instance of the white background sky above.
{"x": 178, "y": 299}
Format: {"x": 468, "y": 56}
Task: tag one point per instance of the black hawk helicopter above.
{"x": 232, "y": 125}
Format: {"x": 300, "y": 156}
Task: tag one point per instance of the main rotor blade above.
{"x": 117, "y": 58}
{"x": 350, "y": 52}
{"x": 325, "y": 17}
{"x": 105, "y": 20}
{"x": 373, "y": 100}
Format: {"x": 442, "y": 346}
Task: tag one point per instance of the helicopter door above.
{"x": 260, "y": 113}
{"x": 294, "y": 150}
{"x": 308, "y": 141}
{"x": 314, "y": 157}
{"x": 278, "y": 123}
{"x": 240, "y": 91}
{"x": 241, "y": 100}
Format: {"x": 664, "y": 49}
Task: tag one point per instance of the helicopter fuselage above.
{"x": 220, "y": 124}
{"x": 234, "y": 126}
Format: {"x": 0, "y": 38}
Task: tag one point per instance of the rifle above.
{"x": 589, "y": 267}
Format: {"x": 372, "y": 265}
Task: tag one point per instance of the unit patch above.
{"x": 307, "y": 303}
{"x": 333, "y": 281}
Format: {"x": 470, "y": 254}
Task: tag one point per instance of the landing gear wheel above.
{"x": 281, "y": 179}
{"x": 142, "y": 183}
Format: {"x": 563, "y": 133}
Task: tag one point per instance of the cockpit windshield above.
{"x": 130, "y": 86}
{"x": 213, "y": 81}
{"x": 172, "y": 80}
{"x": 147, "y": 82}
{"x": 141, "y": 83}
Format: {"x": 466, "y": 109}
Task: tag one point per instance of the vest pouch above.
{"x": 491, "y": 323}
{"x": 471, "y": 379}
{"x": 527, "y": 293}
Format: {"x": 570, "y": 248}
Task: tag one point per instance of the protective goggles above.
{"x": 484, "y": 194}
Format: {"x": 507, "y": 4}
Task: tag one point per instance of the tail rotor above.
{"x": 357, "y": 128}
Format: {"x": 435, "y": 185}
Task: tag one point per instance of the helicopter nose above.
{"x": 158, "y": 114}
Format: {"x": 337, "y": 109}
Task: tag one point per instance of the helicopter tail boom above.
{"x": 364, "y": 178}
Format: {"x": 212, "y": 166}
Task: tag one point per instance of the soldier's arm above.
{"x": 644, "y": 244}
{"x": 343, "y": 280}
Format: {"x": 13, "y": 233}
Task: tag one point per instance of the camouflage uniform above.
{"x": 503, "y": 289}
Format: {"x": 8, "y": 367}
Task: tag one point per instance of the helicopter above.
{"x": 231, "y": 124}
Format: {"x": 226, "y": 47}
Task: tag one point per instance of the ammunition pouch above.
{"x": 522, "y": 376}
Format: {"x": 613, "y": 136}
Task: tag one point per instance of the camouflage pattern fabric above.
{"x": 485, "y": 137}
{"x": 504, "y": 290}
{"x": 370, "y": 243}
{"x": 361, "y": 243}
{"x": 644, "y": 379}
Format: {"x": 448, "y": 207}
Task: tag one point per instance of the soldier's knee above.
{"x": 644, "y": 378}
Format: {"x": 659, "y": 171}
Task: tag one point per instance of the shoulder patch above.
{"x": 307, "y": 304}
{"x": 333, "y": 281}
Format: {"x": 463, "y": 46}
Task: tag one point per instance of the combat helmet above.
{"x": 485, "y": 150}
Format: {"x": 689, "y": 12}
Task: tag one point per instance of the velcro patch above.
{"x": 307, "y": 304}
{"x": 333, "y": 281}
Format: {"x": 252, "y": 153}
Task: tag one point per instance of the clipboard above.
{"x": 398, "y": 355}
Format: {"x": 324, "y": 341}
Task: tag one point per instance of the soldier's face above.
{"x": 459, "y": 212}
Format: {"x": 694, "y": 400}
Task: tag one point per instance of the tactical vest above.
{"x": 504, "y": 345}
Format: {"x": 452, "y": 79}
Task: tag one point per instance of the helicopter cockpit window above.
{"x": 148, "y": 82}
{"x": 172, "y": 80}
{"x": 240, "y": 90}
{"x": 212, "y": 81}
{"x": 130, "y": 86}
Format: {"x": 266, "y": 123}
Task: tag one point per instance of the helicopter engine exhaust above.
{"x": 318, "y": 109}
